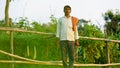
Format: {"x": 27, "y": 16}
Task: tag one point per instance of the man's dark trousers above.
{"x": 67, "y": 48}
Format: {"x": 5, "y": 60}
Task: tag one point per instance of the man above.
{"x": 68, "y": 34}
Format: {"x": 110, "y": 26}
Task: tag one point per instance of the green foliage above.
{"x": 113, "y": 32}
{"x": 32, "y": 46}
{"x": 46, "y": 49}
{"x": 112, "y": 22}
{"x": 91, "y": 49}
{"x": 23, "y": 23}
{"x": 2, "y": 23}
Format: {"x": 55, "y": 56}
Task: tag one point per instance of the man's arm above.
{"x": 76, "y": 37}
{"x": 58, "y": 29}
{"x": 58, "y": 33}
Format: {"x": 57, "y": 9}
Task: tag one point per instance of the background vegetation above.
{"x": 44, "y": 47}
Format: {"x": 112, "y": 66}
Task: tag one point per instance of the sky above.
{"x": 40, "y": 10}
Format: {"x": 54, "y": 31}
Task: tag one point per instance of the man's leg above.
{"x": 63, "y": 45}
{"x": 71, "y": 53}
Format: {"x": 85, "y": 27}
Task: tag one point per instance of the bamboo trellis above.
{"x": 30, "y": 61}
{"x": 35, "y": 32}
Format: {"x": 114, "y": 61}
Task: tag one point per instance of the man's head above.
{"x": 67, "y": 10}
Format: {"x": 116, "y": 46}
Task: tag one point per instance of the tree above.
{"x": 112, "y": 22}
{"x": 23, "y": 23}
{"x": 53, "y": 19}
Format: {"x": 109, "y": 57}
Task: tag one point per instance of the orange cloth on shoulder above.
{"x": 74, "y": 23}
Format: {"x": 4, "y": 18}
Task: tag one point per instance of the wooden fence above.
{"x": 30, "y": 61}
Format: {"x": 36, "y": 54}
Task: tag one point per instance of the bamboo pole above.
{"x": 19, "y": 57}
{"x": 23, "y": 30}
{"x": 55, "y": 63}
{"x": 100, "y": 39}
{"x": 31, "y": 62}
{"x": 7, "y": 12}
{"x": 107, "y": 49}
{"x": 11, "y": 41}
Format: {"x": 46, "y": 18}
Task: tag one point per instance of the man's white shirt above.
{"x": 64, "y": 29}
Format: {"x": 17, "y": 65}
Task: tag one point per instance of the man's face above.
{"x": 67, "y": 11}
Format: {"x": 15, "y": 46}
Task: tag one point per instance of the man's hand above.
{"x": 76, "y": 43}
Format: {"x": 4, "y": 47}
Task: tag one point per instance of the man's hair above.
{"x": 67, "y": 6}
